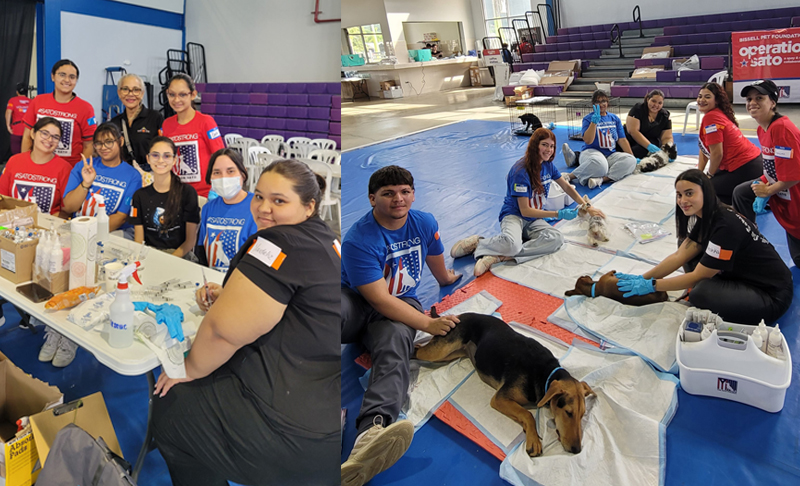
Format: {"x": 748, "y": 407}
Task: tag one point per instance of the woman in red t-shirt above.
{"x": 17, "y": 106}
{"x": 76, "y": 115}
{"x": 730, "y": 157}
{"x": 38, "y": 176}
{"x": 780, "y": 148}
{"x": 196, "y": 135}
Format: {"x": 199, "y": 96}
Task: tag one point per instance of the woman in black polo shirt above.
{"x": 729, "y": 266}
{"x": 648, "y": 126}
{"x": 138, "y": 125}
{"x": 261, "y": 405}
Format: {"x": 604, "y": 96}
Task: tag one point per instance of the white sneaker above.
{"x": 464, "y": 247}
{"x": 65, "y": 352}
{"x": 376, "y": 452}
{"x": 51, "y": 340}
{"x": 484, "y": 263}
{"x": 595, "y": 182}
{"x": 569, "y": 155}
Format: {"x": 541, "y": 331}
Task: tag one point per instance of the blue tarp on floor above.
{"x": 459, "y": 173}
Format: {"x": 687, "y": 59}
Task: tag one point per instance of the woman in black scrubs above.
{"x": 138, "y": 125}
{"x": 648, "y": 126}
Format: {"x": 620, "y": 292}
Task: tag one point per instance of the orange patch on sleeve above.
{"x": 725, "y": 254}
{"x": 436, "y": 236}
{"x": 278, "y": 261}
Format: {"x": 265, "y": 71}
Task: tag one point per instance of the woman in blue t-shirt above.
{"x": 525, "y": 234}
{"x": 599, "y": 160}
{"x": 226, "y": 222}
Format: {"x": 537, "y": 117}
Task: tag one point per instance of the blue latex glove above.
{"x": 596, "y": 114}
{"x": 551, "y": 126}
{"x": 652, "y": 148}
{"x": 168, "y": 314}
{"x": 638, "y": 160}
{"x": 636, "y": 286}
{"x": 568, "y": 213}
{"x": 212, "y": 195}
{"x": 625, "y": 276}
{"x": 760, "y": 205}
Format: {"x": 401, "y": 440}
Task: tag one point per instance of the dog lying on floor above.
{"x": 607, "y": 287}
{"x": 531, "y": 122}
{"x": 598, "y": 230}
{"x": 657, "y": 160}
{"x": 520, "y": 369}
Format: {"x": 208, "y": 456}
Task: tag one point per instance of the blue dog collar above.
{"x": 547, "y": 383}
{"x": 593, "y": 285}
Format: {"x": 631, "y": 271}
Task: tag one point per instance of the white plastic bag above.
{"x": 691, "y": 64}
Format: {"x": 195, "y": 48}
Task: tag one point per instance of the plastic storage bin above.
{"x": 728, "y": 365}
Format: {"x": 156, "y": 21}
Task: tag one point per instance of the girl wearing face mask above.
{"x": 226, "y": 222}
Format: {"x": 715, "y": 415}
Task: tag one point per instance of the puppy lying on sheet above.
{"x": 657, "y": 160}
{"x": 598, "y": 230}
{"x": 607, "y": 287}
{"x": 521, "y": 370}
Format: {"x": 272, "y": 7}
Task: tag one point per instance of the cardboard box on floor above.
{"x": 657, "y": 52}
{"x": 387, "y": 85}
{"x": 21, "y": 395}
{"x": 89, "y": 413}
{"x": 648, "y": 72}
{"x": 574, "y": 66}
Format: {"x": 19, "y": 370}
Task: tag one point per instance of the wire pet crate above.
{"x": 577, "y": 110}
{"x": 526, "y": 115}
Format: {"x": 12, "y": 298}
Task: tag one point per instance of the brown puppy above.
{"x": 521, "y": 370}
{"x": 607, "y": 287}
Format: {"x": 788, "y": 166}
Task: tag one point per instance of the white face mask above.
{"x": 227, "y": 187}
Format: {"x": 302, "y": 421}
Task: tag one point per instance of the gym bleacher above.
{"x": 707, "y": 36}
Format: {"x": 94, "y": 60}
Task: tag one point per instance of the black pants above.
{"x": 391, "y": 344}
{"x": 737, "y": 301}
{"x": 210, "y": 431}
{"x": 725, "y": 182}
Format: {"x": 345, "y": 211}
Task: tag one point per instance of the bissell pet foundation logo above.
{"x": 726, "y": 385}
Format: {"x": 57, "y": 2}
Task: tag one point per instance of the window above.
{"x": 501, "y": 13}
{"x": 367, "y": 40}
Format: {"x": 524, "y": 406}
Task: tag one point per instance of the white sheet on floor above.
{"x": 432, "y": 383}
{"x": 672, "y": 170}
{"x": 625, "y": 204}
{"x": 556, "y": 273}
{"x": 649, "y": 330}
{"x": 646, "y": 184}
{"x": 624, "y": 429}
{"x": 473, "y": 398}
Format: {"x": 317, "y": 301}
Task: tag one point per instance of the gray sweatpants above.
{"x": 391, "y": 344}
{"x": 522, "y": 239}
{"x": 595, "y": 164}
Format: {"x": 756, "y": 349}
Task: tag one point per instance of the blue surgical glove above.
{"x": 625, "y": 276}
{"x": 638, "y": 160}
{"x": 760, "y": 205}
{"x": 596, "y": 114}
{"x": 652, "y": 148}
{"x": 568, "y": 213}
{"x": 636, "y": 286}
{"x": 168, "y": 314}
{"x": 672, "y": 160}
{"x": 212, "y": 195}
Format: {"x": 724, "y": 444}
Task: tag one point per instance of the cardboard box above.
{"x": 574, "y": 66}
{"x": 657, "y": 52}
{"x": 16, "y": 260}
{"x": 21, "y": 396}
{"x": 89, "y": 413}
{"x": 511, "y": 100}
{"x": 16, "y": 212}
{"x": 557, "y": 78}
{"x": 387, "y": 85}
{"x": 475, "y": 76}
{"x": 648, "y": 72}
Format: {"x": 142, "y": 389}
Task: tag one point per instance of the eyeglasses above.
{"x": 49, "y": 136}
{"x": 71, "y": 77}
{"x": 106, "y": 144}
{"x": 125, "y": 90}
{"x": 157, "y": 156}
{"x": 182, "y": 96}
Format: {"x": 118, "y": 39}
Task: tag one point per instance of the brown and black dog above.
{"x": 607, "y": 287}
{"x": 518, "y": 367}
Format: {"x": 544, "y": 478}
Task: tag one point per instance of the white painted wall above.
{"x": 175, "y": 6}
{"x": 266, "y": 40}
{"x": 95, "y": 43}
{"x": 590, "y": 12}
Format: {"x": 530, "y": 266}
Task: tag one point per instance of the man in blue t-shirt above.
{"x": 107, "y": 176}
{"x": 223, "y": 230}
{"x": 382, "y": 258}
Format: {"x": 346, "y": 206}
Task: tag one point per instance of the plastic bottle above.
{"x": 56, "y": 260}
{"x": 705, "y": 334}
{"x": 42, "y": 254}
{"x": 102, "y": 218}
{"x": 120, "y": 334}
{"x": 762, "y": 330}
{"x": 774, "y": 344}
{"x": 757, "y": 341}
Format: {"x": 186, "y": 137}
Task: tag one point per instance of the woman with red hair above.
{"x": 524, "y": 233}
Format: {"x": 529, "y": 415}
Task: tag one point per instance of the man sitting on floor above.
{"x": 382, "y": 257}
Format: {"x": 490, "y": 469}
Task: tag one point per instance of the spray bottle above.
{"x": 102, "y": 218}
{"x": 120, "y": 334}
{"x": 774, "y": 345}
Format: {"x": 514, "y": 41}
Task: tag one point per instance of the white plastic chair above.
{"x": 253, "y": 151}
{"x": 328, "y": 200}
{"x": 324, "y": 143}
{"x": 276, "y": 138}
{"x": 230, "y": 137}
{"x": 327, "y": 156}
{"x": 274, "y": 143}
{"x": 718, "y": 78}
{"x": 299, "y": 147}
{"x": 254, "y": 169}
{"x": 242, "y": 144}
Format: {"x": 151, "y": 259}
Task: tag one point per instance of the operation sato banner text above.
{"x": 767, "y": 54}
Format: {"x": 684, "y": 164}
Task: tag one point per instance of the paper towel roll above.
{"x": 83, "y": 242}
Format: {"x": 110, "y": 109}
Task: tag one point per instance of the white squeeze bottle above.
{"x": 757, "y": 341}
{"x": 762, "y": 330}
{"x": 102, "y": 218}
{"x": 56, "y": 259}
{"x": 120, "y": 333}
{"x": 42, "y": 254}
{"x": 774, "y": 348}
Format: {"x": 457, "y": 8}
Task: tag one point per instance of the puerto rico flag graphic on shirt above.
{"x": 402, "y": 270}
{"x": 188, "y": 164}
{"x": 606, "y": 136}
{"x": 220, "y": 245}
{"x": 111, "y": 194}
{"x": 64, "y": 148}
{"x": 41, "y": 192}
{"x": 772, "y": 175}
